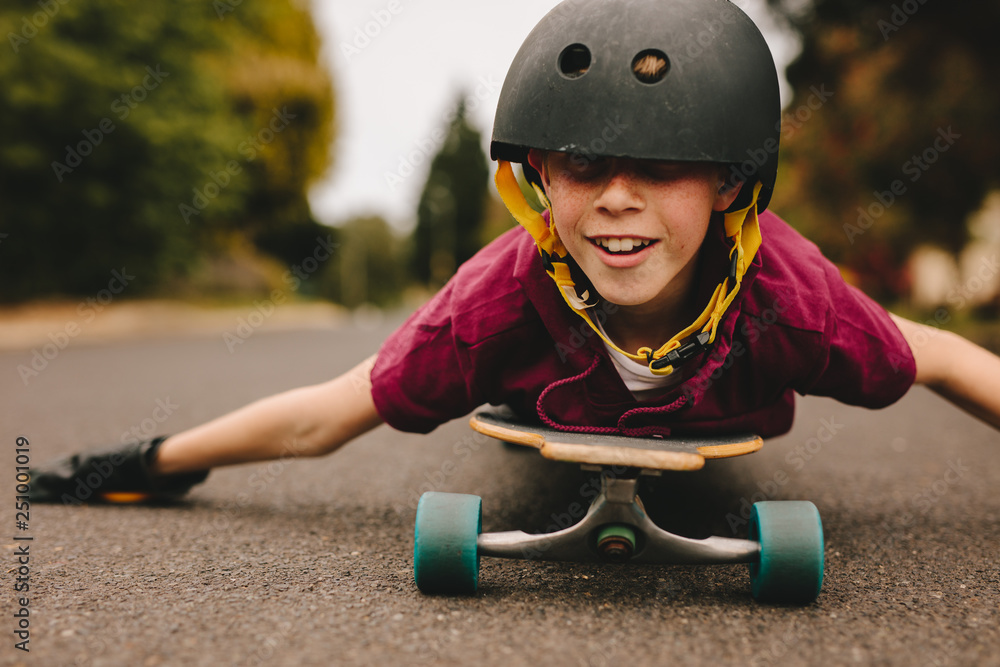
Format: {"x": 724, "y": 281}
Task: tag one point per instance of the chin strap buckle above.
{"x": 692, "y": 348}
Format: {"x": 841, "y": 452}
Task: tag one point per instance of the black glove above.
{"x": 113, "y": 475}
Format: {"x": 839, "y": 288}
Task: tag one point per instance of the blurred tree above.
{"x": 132, "y": 137}
{"x": 496, "y": 220}
{"x": 452, "y": 204}
{"x": 369, "y": 264}
{"x": 891, "y": 138}
{"x": 272, "y": 77}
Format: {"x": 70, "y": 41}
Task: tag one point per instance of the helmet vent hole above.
{"x": 650, "y": 66}
{"x": 574, "y": 61}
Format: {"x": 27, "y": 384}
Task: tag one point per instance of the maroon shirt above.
{"x": 500, "y": 333}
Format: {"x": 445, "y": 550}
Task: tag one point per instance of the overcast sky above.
{"x": 398, "y": 67}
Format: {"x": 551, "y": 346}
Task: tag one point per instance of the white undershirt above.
{"x": 638, "y": 378}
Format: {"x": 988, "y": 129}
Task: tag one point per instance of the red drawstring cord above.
{"x": 650, "y": 431}
{"x": 540, "y": 409}
{"x": 643, "y": 431}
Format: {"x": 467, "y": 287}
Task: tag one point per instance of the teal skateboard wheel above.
{"x": 790, "y": 569}
{"x": 445, "y": 553}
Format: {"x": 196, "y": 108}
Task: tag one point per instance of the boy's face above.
{"x": 633, "y": 226}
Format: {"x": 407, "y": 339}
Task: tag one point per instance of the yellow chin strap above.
{"x": 741, "y": 226}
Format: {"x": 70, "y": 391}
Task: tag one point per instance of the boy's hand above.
{"x": 121, "y": 474}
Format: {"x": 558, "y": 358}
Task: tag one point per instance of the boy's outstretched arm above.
{"x": 957, "y": 369}
{"x": 302, "y": 422}
{"x": 310, "y": 421}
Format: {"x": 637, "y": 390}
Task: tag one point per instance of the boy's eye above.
{"x": 583, "y": 166}
{"x": 661, "y": 170}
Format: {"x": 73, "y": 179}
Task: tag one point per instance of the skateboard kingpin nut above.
{"x": 616, "y": 543}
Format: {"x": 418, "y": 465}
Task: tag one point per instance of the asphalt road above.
{"x": 309, "y": 562}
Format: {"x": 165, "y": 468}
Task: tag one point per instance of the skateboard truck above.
{"x": 617, "y": 529}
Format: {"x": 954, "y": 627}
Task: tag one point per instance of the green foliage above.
{"x": 369, "y": 265}
{"x": 904, "y": 76}
{"x": 452, "y": 205}
{"x": 127, "y": 136}
{"x": 272, "y": 75}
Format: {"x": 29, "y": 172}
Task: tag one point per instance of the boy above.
{"x": 636, "y": 118}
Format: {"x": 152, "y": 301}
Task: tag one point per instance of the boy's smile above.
{"x": 618, "y": 246}
{"x": 634, "y": 226}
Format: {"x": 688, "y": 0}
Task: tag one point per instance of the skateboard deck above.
{"x": 674, "y": 453}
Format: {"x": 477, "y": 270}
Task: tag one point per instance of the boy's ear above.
{"x": 536, "y": 159}
{"x": 728, "y": 192}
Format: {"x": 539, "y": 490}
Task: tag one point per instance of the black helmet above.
{"x": 571, "y": 87}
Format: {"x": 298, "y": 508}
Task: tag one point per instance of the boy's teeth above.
{"x": 623, "y": 244}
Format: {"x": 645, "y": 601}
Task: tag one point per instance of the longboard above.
{"x": 674, "y": 453}
{"x": 784, "y": 547}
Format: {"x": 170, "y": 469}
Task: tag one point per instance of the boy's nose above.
{"x": 620, "y": 193}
